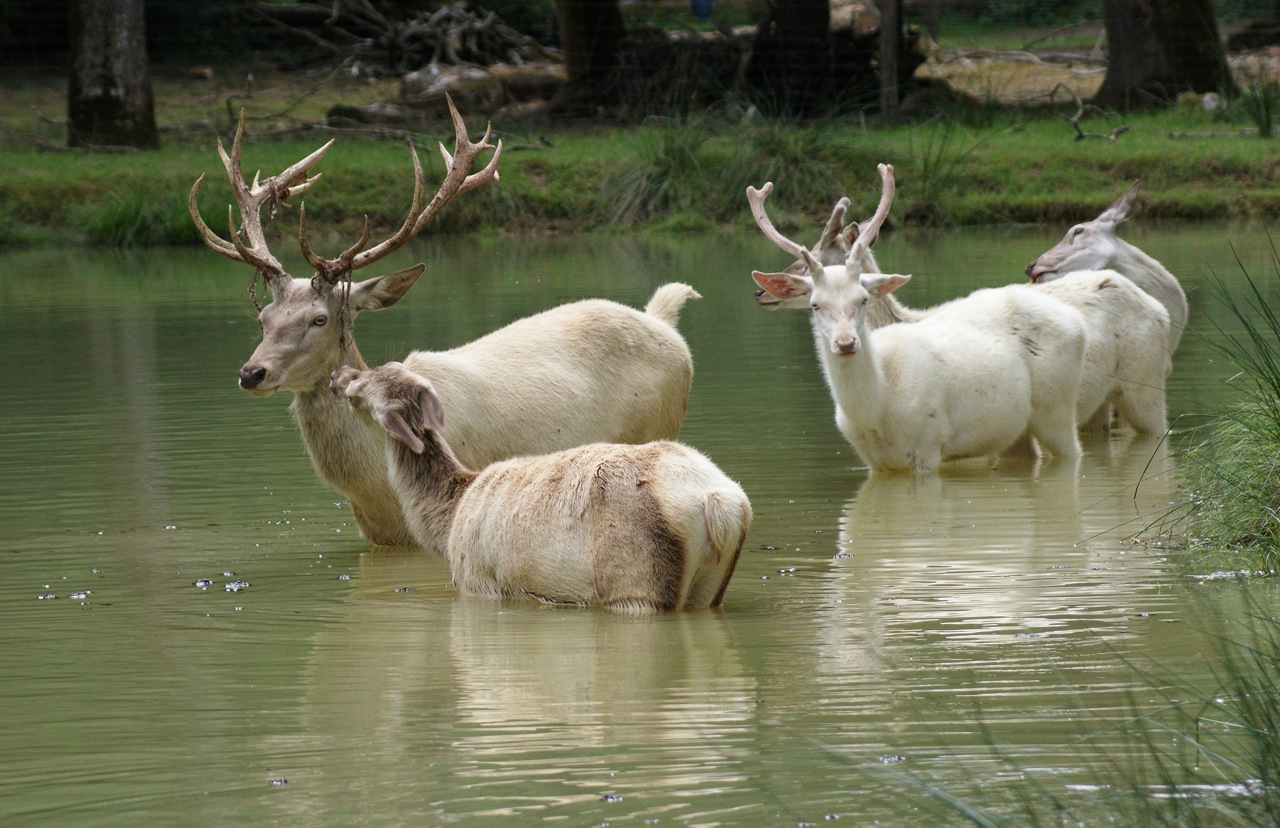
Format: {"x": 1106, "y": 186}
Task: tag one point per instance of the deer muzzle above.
{"x": 251, "y": 378}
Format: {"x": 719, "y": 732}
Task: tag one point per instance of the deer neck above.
{"x": 887, "y": 310}
{"x": 429, "y": 486}
{"x": 346, "y": 449}
{"x": 856, "y": 381}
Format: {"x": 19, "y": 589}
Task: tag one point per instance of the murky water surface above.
{"x": 974, "y": 632}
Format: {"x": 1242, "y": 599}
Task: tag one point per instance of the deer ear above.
{"x": 384, "y": 291}
{"x": 1122, "y": 207}
{"x": 783, "y": 285}
{"x": 432, "y": 408}
{"x": 398, "y": 428}
{"x": 882, "y": 284}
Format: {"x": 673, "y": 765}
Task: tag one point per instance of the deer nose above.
{"x": 251, "y": 378}
{"x": 1031, "y": 268}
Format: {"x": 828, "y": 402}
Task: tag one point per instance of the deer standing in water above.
{"x": 584, "y": 372}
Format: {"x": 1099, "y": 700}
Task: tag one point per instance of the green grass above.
{"x": 960, "y": 167}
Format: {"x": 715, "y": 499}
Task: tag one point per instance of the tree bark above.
{"x": 804, "y": 38}
{"x": 109, "y": 99}
{"x": 590, "y": 31}
{"x": 890, "y": 52}
{"x": 1160, "y": 48}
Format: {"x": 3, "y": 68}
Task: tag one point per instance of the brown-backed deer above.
{"x": 639, "y": 528}
{"x": 584, "y": 372}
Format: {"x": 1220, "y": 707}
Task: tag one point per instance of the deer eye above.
{"x": 1077, "y": 231}
{"x": 814, "y": 307}
{"x": 320, "y": 321}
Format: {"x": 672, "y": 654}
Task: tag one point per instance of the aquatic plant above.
{"x": 1237, "y": 486}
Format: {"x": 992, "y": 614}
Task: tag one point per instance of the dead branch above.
{"x": 1083, "y": 109}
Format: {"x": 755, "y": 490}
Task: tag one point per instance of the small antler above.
{"x": 756, "y": 199}
{"x": 871, "y": 228}
{"x": 834, "y": 228}
{"x": 252, "y": 249}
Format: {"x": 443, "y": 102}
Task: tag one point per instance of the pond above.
{"x": 974, "y": 633}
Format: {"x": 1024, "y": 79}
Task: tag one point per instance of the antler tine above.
{"x": 756, "y": 199}
{"x": 456, "y": 181}
{"x": 458, "y": 166}
{"x": 215, "y": 243}
{"x": 329, "y": 270}
{"x": 267, "y": 264}
{"x": 872, "y": 228}
{"x": 250, "y": 198}
{"x": 834, "y": 227}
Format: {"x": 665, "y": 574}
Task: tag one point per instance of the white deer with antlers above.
{"x": 967, "y": 380}
{"x": 585, "y": 372}
{"x": 1125, "y": 360}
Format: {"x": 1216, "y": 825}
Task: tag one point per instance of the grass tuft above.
{"x": 135, "y": 220}
{"x": 1238, "y": 486}
{"x": 667, "y": 176}
{"x": 1260, "y": 100}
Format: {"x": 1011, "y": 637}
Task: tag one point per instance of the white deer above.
{"x": 1126, "y": 364}
{"x": 584, "y": 372}
{"x": 1094, "y": 245}
{"x": 967, "y": 380}
{"x": 636, "y": 528}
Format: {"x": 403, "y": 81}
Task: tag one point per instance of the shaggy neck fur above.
{"x": 429, "y": 487}
{"x": 346, "y": 450}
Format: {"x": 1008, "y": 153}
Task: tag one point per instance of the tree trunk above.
{"x": 890, "y": 52}
{"x": 590, "y": 31}
{"x": 804, "y": 38}
{"x": 109, "y": 100}
{"x": 1159, "y": 48}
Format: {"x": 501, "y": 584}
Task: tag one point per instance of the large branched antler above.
{"x": 252, "y": 249}
{"x": 251, "y": 198}
{"x": 458, "y": 180}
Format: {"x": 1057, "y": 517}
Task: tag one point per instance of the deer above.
{"x": 1126, "y": 365}
{"x": 1094, "y": 245}
{"x": 967, "y": 380}
{"x": 634, "y": 528}
{"x": 583, "y": 372}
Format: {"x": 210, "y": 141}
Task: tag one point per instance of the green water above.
{"x": 964, "y": 631}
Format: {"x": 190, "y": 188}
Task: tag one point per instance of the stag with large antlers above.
{"x": 590, "y": 371}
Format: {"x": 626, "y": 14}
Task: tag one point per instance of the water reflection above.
{"x": 979, "y": 557}
{"x": 508, "y": 707}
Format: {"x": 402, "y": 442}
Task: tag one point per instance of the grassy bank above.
{"x": 964, "y": 165}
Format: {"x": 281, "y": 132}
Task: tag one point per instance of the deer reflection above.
{"x": 602, "y": 678}
{"x": 415, "y": 687}
{"x": 980, "y": 557}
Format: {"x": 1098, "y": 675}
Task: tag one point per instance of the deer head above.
{"x": 306, "y": 329}
{"x": 1092, "y": 245}
{"x": 832, "y": 248}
